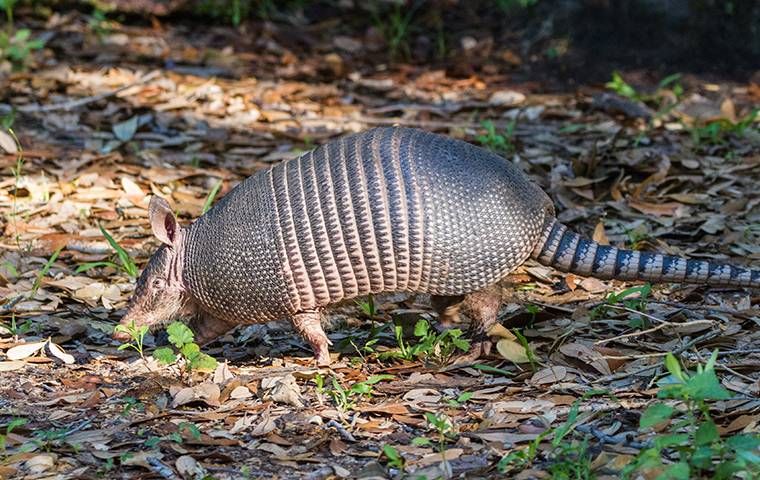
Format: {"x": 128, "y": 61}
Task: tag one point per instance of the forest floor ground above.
{"x": 107, "y": 118}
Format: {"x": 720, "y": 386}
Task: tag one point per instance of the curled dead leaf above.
{"x": 282, "y": 390}
{"x": 549, "y": 375}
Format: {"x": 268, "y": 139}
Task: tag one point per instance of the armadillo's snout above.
{"x": 127, "y": 320}
{"x": 120, "y": 336}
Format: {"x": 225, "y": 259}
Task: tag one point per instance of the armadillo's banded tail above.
{"x": 567, "y": 251}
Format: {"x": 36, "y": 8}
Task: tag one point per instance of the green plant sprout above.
{"x": 210, "y": 198}
{"x": 136, "y": 334}
{"x": 430, "y": 346}
{"x": 345, "y": 398}
{"x": 16, "y": 46}
{"x": 44, "y": 271}
{"x": 498, "y": 142}
{"x": 188, "y": 351}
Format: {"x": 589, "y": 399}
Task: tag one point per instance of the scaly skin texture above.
{"x": 389, "y": 209}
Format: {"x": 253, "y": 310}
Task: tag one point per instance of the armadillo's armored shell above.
{"x": 389, "y": 209}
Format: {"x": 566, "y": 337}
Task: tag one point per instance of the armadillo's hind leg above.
{"x": 482, "y": 308}
{"x": 308, "y": 324}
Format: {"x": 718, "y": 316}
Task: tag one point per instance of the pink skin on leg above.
{"x": 309, "y": 326}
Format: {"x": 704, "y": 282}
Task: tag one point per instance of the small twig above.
{"x": 80, "y": 102}
{"x": 637, "y": 312}
{"x": 731, "y": 370}
{"x": 9, "y": 306}
{"x": 698, "y": 307}
{"x": 344, "y": 434}
{"x": 79, "y": 427}
{"x": 662, "y": 325}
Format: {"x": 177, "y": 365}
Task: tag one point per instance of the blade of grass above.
{"x": 44, "y": 271}
{"x": 211, "y": 196}
{"x": 126, "y": 262}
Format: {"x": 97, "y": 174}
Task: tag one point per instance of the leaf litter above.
{"x": 118, "y": 135}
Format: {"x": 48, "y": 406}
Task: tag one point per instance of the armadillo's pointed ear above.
{"x": 165, "y": 226}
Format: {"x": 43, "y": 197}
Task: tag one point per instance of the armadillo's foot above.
{"x": 206, "y": 328}
{"x": 447, "y": 307}
{"x": 309, "y": 326}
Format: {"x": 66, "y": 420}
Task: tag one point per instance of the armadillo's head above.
{"x": 160, "y": 295}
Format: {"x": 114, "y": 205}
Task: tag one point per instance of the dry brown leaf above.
{"x": 512, "y": 351}
{"x": 189, "y": 467}
{"x": 424, "y": 395}
{"x": 25, "y": 350}
{"x": 134, "y": 193}
{"x": 499, "y": 330}
{"x": 549, "y": 375}
{"x": 207, "y": 393}
{"x": 266, "y": 425}
{"x": 282, "y": 390}
{"x": 240, "y": 393}
{"x": 385, "y": 408}
{"x": 665, "y": 209}
{"x": 41, "y": 463}
{"x": 222, "y": 373}
{"x": 586, "y": 356}
{"x": 600, "y": 236}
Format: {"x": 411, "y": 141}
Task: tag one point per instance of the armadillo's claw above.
{"x": 308, "y": 325}
{"x": 322, "y": 357}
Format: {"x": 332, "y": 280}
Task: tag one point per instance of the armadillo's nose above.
{"x": 120, "y": 336}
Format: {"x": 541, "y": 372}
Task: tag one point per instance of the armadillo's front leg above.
{"x": 207, "y": 328}
{"x": 309, "y": 326}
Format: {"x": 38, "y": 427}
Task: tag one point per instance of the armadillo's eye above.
{"x": 157, "y": 283}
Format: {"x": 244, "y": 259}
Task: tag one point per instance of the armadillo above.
{"x": 385, "y": 210}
